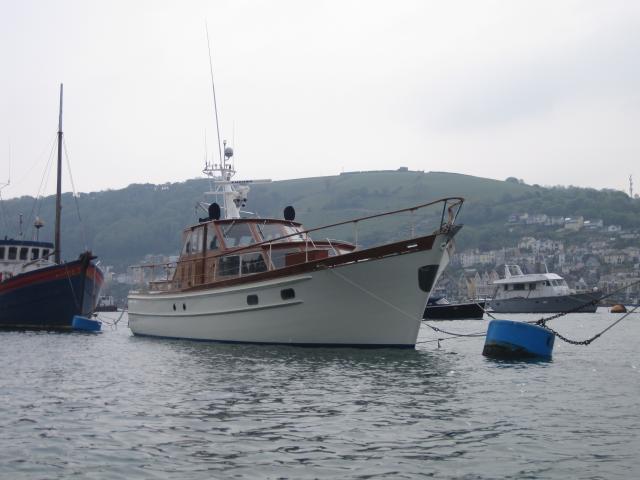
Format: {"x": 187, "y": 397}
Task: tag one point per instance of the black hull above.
{"x": 48, "y": 298}
{"x": 454, "y": 311}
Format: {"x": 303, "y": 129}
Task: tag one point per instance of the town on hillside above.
{"x": 588, "y": 253}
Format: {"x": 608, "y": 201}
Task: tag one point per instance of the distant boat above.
{"x": 37, "y": 292}
{"x": 538, "y": 293}
{"x": 106, "y": 303}
{"x": 439, "y": 308}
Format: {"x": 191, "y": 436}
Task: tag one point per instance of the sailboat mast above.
{"x": 59, "y": 185}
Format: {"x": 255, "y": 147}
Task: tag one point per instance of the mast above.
{"x": 59, "y": 185}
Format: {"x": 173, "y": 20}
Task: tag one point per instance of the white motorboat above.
{"x": 538, "y": 293}
{"x": 259, "y": 280}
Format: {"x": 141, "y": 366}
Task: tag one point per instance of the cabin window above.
{"x": 212, "y": 238}
{"x": 45, "y": 252}
{"x": 252, "y": 299}
{"x": 518, "y": 286}
{"x": 13, "y": 253}
{"x": 196, "y": 240}
{"x": 24, "y": 253}
{"x": 506, "y": 287}
{"x": 253, "y": 263}
{"x": 35, "y": 253}
{"x": 186, "y": 249}
{"x": 1, "y": 253}
{"x": 270, "y": 231}
{"x": 237, "y": 235}
{"x": 229, "y": 265}
{"x": 287, "y": 294}
{"x": 532, "y": 286}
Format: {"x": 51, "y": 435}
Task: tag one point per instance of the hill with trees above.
{"x": 122, "y": 226}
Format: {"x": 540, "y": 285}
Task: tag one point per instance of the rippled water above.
{"x": 117, "y": 406}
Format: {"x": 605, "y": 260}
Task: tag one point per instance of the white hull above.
{"x": 369, "y": 303}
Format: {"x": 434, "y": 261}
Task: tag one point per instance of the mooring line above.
{"x": 398, "y": 309}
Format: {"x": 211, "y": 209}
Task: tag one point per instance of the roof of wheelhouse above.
{"x": 24, "y": 243}
{"x": 259, "y": 221}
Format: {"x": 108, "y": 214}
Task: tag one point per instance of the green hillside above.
{"x": 122, "y": 226}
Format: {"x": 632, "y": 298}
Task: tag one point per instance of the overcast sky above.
{"x": 546, "y": 91}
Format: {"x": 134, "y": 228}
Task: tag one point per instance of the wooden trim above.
{"x": 397, "y": 248}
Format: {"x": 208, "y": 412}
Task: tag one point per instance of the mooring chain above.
{"x": 436, "y": 329}
{"x": 543, "y": 321}
{"x": 572, "y": 342}
{"x": 597, "y": 335}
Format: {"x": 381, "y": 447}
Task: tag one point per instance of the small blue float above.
{"x": 517, "y": 340}
{"x": 85, "y": 324}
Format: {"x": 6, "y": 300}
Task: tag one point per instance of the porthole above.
{"x": 252, "y": 299}
{"x": 174, "y": 307}
{"x": 184, "y": 306}
{"x": 287, "y": 294}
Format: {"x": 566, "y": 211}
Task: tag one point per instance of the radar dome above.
{"x": 228, "y": 152}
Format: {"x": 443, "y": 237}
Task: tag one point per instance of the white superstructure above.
{"x": 516, "y": 284}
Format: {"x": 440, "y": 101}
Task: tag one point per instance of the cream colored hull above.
{"x": 369, "y": 303}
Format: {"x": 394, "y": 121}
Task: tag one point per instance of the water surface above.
{"x": 117, "y": 406}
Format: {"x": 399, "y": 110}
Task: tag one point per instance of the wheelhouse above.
{"x": 17, "y": 256}
{"x": 219, "y": 250}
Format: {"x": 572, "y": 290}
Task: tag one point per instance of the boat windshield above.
{"x": 270, "y": 231}
{"x": 237, "y": 235}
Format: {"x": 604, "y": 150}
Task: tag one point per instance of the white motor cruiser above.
{"x": 538, "y": 293}
{"x": 266, "y": 280}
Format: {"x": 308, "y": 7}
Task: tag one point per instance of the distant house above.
{"x": 527, "y": 243}
{"x": 593, "y": 224}
{"x": 536, "y": 219}
{"x": 555, "y": 221}
{"x": 474, "y": 257}
{"x": 574, "y": 224}
{"x": 614, "y": 258}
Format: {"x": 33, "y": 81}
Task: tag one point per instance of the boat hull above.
{"x": 557, "y": 304}
{"x": 48, "y": 298}
{"x": 374, "y": 303}
{"x": 454, "y": 311}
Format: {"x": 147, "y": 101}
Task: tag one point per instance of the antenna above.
{"x": 631, "y": 186}
{"x": 213, "y": 90}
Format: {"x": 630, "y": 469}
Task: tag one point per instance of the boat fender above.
{"x": 85, "y": 324}
{"x": 517, "y": 340}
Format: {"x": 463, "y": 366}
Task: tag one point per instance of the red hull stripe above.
{"x": 48, "y": 274}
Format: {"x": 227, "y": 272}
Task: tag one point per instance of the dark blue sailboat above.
{"x": 36, "y": 292}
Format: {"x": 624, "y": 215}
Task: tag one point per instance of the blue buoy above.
{"x": 85, "y": 324}
{"x": 515, "y": 340}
